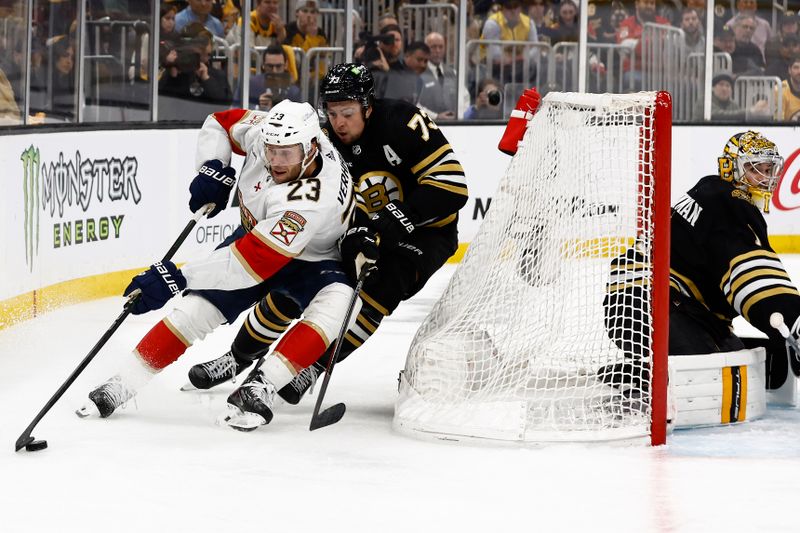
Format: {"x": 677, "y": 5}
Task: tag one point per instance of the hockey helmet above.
{"x": 347, "y": 81}
{"x": 752, "y": 163}
{"x": 290, "y": 123}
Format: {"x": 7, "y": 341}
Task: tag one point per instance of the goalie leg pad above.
{"x": 718, "y": 388}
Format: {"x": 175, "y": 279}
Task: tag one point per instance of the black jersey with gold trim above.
{"x": 721, "y": 256}
{"x": 402, "y": 155}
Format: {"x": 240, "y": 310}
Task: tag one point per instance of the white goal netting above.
{"x": 517, "y": 347}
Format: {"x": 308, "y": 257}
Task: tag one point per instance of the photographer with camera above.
{"x": 489, "y": 102}
{"x": 190, "y": 76}
{"x": 274, "y": 85}
{"x": 383, "y": 51}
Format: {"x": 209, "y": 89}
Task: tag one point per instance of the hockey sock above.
{"x": 264, "y": 324}
{"x": 302, "y": 345}
{"x": 161, "y": 346}
{"x": 365, "y": 325}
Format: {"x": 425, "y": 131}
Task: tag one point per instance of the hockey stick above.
{"x": 335, "y": 412}
{"x": 776, "y": 321}
{"x": 26, "y": 440}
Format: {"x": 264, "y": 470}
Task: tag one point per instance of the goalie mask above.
{"x": 752, "y": 163}
{"x": 288, "y": 134}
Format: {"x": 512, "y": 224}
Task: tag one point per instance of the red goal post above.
{"x": 519, "y": 348}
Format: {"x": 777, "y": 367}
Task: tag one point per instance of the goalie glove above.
{"x": 157, "y": 285}
{"x": 213, "y": 184}
{"x": 526, "y": 106}
{"x": 359, "y": 249}
{"x": 393, "y": 223}
{"x": 793, "y": 348}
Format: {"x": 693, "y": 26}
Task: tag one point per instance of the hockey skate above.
{"x": 251, "y": 404}
{"x": 106, "y": 398}
{"x": 293, "y": 391}
{"x": 206, "y": 375}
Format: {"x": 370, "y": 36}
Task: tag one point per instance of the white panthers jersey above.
{"x": 302, "y": 219}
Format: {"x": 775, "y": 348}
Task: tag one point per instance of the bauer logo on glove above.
{"x": 212, "y": 185}
{"x": 156, "y": 285}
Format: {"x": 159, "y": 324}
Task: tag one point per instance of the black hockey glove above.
{"x": 359, "y": 248}
{"x": 792, "y": 351}
{"x": 394, "y": 222}
{"x": 213, "y": 184}
{"x": 157, "y": 284}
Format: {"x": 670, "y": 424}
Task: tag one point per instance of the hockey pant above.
{"x": 402, "y": 271}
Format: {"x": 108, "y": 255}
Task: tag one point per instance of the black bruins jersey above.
{"x": 402, "y": 155}
{"x": 720, "y": 256}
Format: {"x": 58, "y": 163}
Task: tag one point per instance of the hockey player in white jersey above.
{"x": 295, "y": 198}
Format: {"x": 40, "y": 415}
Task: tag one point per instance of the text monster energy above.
{"x": 60, "y": 187}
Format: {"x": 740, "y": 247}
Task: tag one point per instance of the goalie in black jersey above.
{"x": 721, "y": 266}
{"x": 410, "y": 187}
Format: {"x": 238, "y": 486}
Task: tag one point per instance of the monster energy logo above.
{"x": 64, "y": 184}
{"x": 30, "y": 188}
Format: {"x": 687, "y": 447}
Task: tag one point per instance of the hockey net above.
{"x": 517, "y": 344}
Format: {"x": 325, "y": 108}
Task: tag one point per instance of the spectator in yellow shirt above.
{"x": 791, "y": 92}
{"x": 304, "y": 32}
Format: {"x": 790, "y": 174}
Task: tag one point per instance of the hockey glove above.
{"x": 394, "y": 222}
{"x": 213, "y": 184}
{"x": 157, "y": 284}
{"x": 359, "y": 248}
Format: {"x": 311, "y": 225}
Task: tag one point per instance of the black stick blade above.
{"x": 329, "y": 416}
{"x": 23, "y": 441}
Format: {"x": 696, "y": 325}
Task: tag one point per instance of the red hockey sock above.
{"x": 302, "y": 345}
{"x": 161, "y": 346}
{"x": 526, "y": 106}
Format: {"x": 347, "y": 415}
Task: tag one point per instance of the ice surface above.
{"x": 161, "y": 464}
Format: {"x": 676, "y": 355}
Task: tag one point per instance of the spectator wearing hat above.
{"x": 724, "y": 41}
{"x": 723, "y": 107}
{"x": 787, "y": 26}
{"x": 778, "y": 65}
{"x": 304, "y": 32}
{"x": 791, "y": 91}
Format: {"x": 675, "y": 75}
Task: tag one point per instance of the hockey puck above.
{"x": 36, "y": 445}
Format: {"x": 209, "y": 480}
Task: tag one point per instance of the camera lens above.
{"x": 494, "y": 97}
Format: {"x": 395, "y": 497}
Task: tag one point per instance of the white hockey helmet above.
{"x": 290, "y": 123}
{"x": 752, "y": 163}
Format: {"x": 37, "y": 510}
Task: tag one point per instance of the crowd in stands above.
{"x": 199, "y": 42}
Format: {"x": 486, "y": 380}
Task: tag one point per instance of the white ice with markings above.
{"x": 161, "y": 464}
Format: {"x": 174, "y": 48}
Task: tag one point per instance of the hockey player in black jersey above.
{"x": 410, "y": 189}
{"x": 721, "y": 266}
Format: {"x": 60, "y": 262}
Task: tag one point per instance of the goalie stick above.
{"x": 26, "y": 440}
{"x": 335, "y": 412}
{"x": 776, "y": 321}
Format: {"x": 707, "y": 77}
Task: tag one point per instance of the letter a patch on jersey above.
{"x": 286, "y": 229}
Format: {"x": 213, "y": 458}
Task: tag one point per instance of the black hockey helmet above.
{"x": 347, "y": 81}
